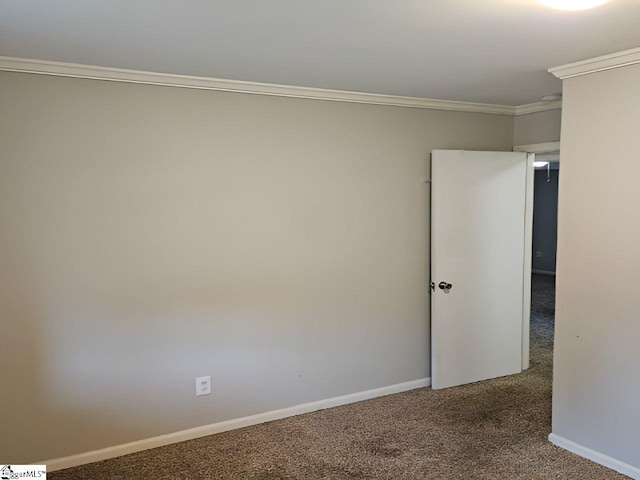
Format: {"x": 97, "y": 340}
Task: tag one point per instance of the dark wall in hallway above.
{"x": 545, "y": 221}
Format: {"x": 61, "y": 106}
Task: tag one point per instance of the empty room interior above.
{"x": 319, "y": 240}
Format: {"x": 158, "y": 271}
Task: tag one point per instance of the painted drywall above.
{"x": 596, "y": 386}
{"x": 539, "y": 127}
{"x": 545, "y": 221}
{"x": 151, "y": 235}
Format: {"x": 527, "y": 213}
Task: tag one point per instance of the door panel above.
{"x": 478, "y": 246}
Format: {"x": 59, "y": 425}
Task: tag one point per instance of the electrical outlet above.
{"x": 203, "y": 386}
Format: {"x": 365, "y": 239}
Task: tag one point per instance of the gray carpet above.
{"x": 495, "y": 429}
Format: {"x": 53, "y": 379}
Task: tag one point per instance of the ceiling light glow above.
{"x": 573, "y": 4}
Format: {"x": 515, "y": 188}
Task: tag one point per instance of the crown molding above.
{"x": 75, "y": 70}
{"x": 597, "y": 64}
{"x": 538, "y": 107}
{"x": 60, "y": 69}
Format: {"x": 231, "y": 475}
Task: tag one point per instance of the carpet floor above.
{"x": 495, "y": 429}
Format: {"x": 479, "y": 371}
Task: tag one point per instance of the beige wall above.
{"x": 539, "y": 127}
{"x": 596, "y": 387}
{"x": 152, "y": 234}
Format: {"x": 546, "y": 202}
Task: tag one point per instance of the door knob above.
{"x": 445, "y": 286}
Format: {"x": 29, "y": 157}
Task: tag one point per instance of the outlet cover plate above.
{"x": 203, "y": 386}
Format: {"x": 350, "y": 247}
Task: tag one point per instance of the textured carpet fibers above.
{"x": 495, "y": 429}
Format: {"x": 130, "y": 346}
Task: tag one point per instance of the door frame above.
{"x": 549, "y": 147}
{"x": 528, "y": 247}
{"x": 550, "y": 152}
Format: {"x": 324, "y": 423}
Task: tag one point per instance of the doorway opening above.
{"x": 543, "y": 261}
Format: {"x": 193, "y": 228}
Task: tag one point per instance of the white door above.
{"x": 480, "y": 217}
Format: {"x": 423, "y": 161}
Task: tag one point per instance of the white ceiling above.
{"x": 490, "y": 51}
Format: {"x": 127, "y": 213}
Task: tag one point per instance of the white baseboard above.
{"x": 601, "y": 458}
{"x": 203, "y": 431}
